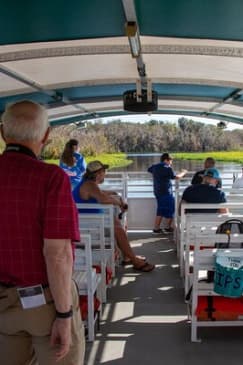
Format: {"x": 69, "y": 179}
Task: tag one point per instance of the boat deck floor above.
{"x": 145, "y": 318}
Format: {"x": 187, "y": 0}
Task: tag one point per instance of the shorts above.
{"x": 165, "y": 206}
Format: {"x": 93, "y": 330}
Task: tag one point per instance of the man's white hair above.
{"x": 25, "y": 121}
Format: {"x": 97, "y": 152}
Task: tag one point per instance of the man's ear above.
{"x": 2, "y": 133}
{"x": 46, "y": 135}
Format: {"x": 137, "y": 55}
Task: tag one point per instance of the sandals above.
{"x": 146, "y": 267}
{"x": 129, "y": 262}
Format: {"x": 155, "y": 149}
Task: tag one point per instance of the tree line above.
{"x": 153, "y": 136}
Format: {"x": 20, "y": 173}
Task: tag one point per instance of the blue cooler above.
{"x": 228, "y": 276}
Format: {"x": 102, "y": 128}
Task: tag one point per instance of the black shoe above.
{"x": 157, "y": 231}
{"x": 168, "y": 230}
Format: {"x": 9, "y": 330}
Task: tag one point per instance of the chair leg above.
{"x": 91, "y": 321}
{"x": 103, "y": 283}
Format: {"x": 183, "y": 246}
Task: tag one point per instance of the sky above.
{"x": 170, "y": 118}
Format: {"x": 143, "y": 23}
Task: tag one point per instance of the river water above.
{"x": 139, "y": 187}
{"x": 141, "y": 162}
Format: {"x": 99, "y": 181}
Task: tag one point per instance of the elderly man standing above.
{"x": 39, "y": 306}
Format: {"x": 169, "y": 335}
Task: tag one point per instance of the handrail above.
{"x": 135, "y": 185}
{"x": 144, "y": 179}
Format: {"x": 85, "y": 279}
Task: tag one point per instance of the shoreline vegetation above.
{"x": 112, "y": 142}
{"x": 185, "y": 136}
{"x": 223, "y": 156}
{"x": 115, "y": 160}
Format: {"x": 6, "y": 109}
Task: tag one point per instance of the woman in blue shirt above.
{"x": 72, "y": 162}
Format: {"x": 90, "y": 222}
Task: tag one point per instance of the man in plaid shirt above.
{"x": 39, "y": 306}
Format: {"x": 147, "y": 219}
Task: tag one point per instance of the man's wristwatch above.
{"x": 64, "y": 314}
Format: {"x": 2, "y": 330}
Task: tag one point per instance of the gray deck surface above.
{"x": 145, "y": 318}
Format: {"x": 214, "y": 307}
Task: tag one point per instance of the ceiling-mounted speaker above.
{"x": 133, "y": 102}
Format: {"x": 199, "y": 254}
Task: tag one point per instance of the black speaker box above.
{"x": 132, "y": 105}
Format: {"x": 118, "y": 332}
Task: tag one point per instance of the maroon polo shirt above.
{"x": 35, "y": 203}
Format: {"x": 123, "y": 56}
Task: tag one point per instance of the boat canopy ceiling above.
{"x": 77, "y": 57}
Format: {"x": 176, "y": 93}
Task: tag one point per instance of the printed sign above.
{"x": 31, "y": 296}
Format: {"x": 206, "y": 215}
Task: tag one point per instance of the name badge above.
{"x": 31, "y": 296}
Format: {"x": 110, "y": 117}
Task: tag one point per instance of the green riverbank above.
{"x": 224, "y": 156}
{"x": 121, "y": 160}
{"x": 113, "y": 160}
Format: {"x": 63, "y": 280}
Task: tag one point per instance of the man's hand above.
{"x": 124, "y": 207}
{"x": 181, "y": 174}
{"x": 61, "y": 337}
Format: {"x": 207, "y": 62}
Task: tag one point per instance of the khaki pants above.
{"x": 25, "y": 333}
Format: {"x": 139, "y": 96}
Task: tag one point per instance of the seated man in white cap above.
{"x": 88, "y": 191}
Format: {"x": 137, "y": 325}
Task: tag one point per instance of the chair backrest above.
{"x": 83, "y": 269}
{"x": 201, "y": 233}
{"x": 93, "y": 224}
{"x": 83, "y": 254}
{"x": 101, "y": 227}
{"x": 206, "y": 217}
{"x": 108, "y": 214}
{"x": 87, "y": 280}
{"x": 201, "y": 229}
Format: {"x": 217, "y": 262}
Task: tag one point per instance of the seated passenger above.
{"x": 206, "y": 192}
{"x": 88, "y": 191}
{"x": 198, "y": 176}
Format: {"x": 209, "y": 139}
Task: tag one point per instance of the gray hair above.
{"x": 25, "y": 121}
